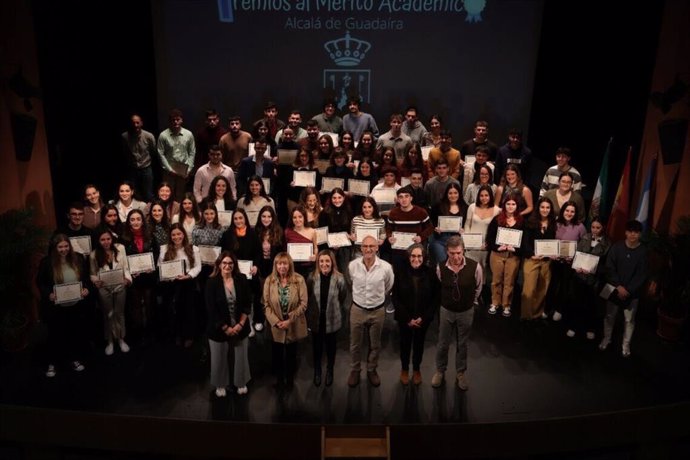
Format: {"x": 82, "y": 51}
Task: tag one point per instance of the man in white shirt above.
{"x": 372, "y": 280}
{"x": 206, "y": 174}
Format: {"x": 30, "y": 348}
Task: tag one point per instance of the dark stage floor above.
{"x": 515, "y": 373}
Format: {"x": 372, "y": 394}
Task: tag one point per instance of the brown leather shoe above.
{"x": 374, "y": 378}
{"x": 353, "y": 379}
{"x": 416, "y": 377}
{"x": 404, "y": 377}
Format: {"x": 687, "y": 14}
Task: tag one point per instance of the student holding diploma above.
{"x": 588, "y": 282}
{"x": 338, "y": 218}
{"x": 63, "y": 280}
{"x": 451, "y": 205}
{"x": 505, "y": 257}
{"x": 479, "y": 216}
{"x": 368, "y": 220}
{"x": 140, "y": 247}
{"x": 177, "y": 283}
{"x": 536, "y": 269}
{"x": 110, "y": 274}
{"x": 296, "y": 232}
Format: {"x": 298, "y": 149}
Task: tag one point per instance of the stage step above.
{"x": 355, "y": 442}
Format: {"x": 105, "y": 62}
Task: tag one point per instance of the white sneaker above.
{"x": 557, "y": 316}
{"x": 570, "y": 333}
{"x": 242, "y": 390}
{"x": 251, "y": 331}
{"x": 590, "y": 335}
{"x": 259, "y": 327}
{"x": 77, "y": 366}
{"x": 220, "y": 392}
{"x": 493, "y": 309}
{"x": 50, "y": 373}
{"x": 544, "y": 315}
{"x": 390, "y": 308}
{"x": 506, "y": 312}
{"x": 626, "y": 350}
{"x": 604, "y": 344}
{"x": 109, "y": 349}
{"x": 124, "y": 348}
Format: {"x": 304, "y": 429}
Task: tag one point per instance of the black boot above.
{"x": 317, "y": 377}
{"x": 329, "y": 377}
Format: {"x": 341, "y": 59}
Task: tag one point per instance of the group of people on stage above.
{"x": 226, "y": 247}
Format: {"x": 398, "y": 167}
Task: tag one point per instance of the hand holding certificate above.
{"x": 171, "y": 270}
{"x": 304, "y": 178}
{"x": 139, "y": 263}
{"x": 473, "y": 240}
{"x": 403, "y": 240}
{"x": 384, "y": 195}
{"x": 361, "y": 233}
{"x": 81, "y": 244}
{"x": 449, "y": 224}
{"x": 225, "y": 218}
{"x": 585, "y": 262}
{"x": 567, "y": 248}
{"x": 321, "y": 235}
{"x": 112, "y": 278}
{"x": 209, "y": 254}
{"x": 300, "y": 252}
{"x": 245, "y": 267}
{"x": 329, "y": 183}
{"x": 547, "y": 248}
{"x": 338, "y": 240}
{"x": 508, "y": 237}
{"x": 67, "y": 293}
{"x": 358, "y": 187}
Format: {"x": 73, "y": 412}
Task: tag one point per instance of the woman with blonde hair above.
{"x": 285, "y": 304}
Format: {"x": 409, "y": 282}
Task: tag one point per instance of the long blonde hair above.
{"x": 282, "y": 257}
{"x": 72, "y": 259}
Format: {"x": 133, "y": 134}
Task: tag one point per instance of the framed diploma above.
{"x": 111, "y": 278}
{"x": 473, "y": 240}
{"x": 322, "y": 235}
{"x": 515, "y": 161}
{"x": 286, "y": 157}
{"x": 300, "y": 252}
{"x": 209, "y": 254}
{"x": 267, "y": 184}
{"x": 361, "y": 233}
{"x": 547, "y": 248}
{"x": 245, "y": 267}
{"x": 568, "y": 248}
{"x": 606, "y": 291}
{"x": 425, "y": 152}
{"x": 384, "y": 196}
{"x": 304, "y": 178}
{"x": 329, "y": 183}
{"x": 253, "y": 217}
{"x": 403, "y": 240}
{"x": 587, "y": 262}
{"x": 509, "y": 237}
{"x": 139, "y": 263}
{"x": 171, "y": 269}
{"x": 225, "y": 218}
{"x": 338, "y": 240}
{"x": 450, "y": 223}
{"x": 322, "y": 165}
{"x": 67, "y": 292}
{"x": 470, "y": 160}
{"x": 81, "y": 244}
{"x": 333, "y": 136}
{"x": 358, "y": 187}
{"x": 404, "y": 181}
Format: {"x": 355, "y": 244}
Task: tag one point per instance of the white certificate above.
{"x": 253, "y": 217}
{"x": 547, "y": 248}
{"x": 607, "y": 291}
{"x": 404, "y": 181}
{"x": 509, "y": 237}
{"x": 470, "y": 160}
{"x": 450, "y": 223}
{"x": 361, "y": 233}
{"x": 322, "y": 235}
{"x": 141, "y": 263}
{"x": 81, "y": 244}
{"x": 425, "y": 152}
{"x": 358, "y": 187}
{"x": 304, "y": 178}
{"x": 568, "y": 248}
{"x": 322, "y": 165}
{"x": 225, "y": 218}
{"x": 587, "y": 262}
{"x": 171, "y": 269}
{"x": 338, "y": 240}
{"x": 473, "y": 240}
{"x": 286, "y": 157}
{"x": 267, "y": 184}
{"x": 384, "y": 195}
{"x": 403, "y": 240}
{"x": 67, "y": 292}
{"x": 300, "y": 252}
{"x": 110, "y": 278}
{"x": 245, "y": 267}
{"x": 209, "y": 254}
{"x": 329, "y": 183}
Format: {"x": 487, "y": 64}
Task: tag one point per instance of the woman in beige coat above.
{"x": 285, "y": 304}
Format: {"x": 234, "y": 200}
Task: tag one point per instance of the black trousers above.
{"x": 320, "y": 339}
{"x": 284, "y": 361}
{"x": 411, "y": 340}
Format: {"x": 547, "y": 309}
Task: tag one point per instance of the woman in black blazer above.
{"x": 228, "y": 301}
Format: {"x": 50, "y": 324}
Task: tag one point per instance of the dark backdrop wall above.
{"x": 591, "y": 82}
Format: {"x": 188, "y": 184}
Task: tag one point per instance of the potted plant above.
{"x": 20, "y": 242}
{"x": 670, "y": 280}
